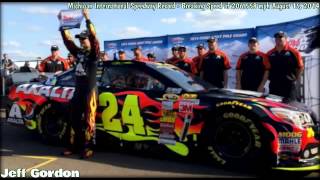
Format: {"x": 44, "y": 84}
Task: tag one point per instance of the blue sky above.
{"x": 29, "y": 29}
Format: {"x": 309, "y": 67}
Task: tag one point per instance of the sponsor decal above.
{"x": 171, "y": 90}
{"x": 177, "y": 40}
{"x": 233, "y": 104}
{"x": 15, "y": 115}
{"x": 111, "y": 45}
{"x": 173, "y": 97}
{"x": 167, "y": 105}
{"x": 48, "y": 91}
{"x": 167, "y": 121}
{"x": 189, "y": 96}
{"x": 290, "y": 141}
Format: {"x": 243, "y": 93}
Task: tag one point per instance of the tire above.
{"x": 235, "y": 141}
{"x": 52, "y": 124}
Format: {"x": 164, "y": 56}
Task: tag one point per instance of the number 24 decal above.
{"x": 130, "y": 114}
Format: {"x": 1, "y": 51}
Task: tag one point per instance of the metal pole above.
{"x": 3, "y": 79}
{"x": 3, "y": 86}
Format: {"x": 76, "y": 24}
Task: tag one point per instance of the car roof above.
{"x": 125, "y": 62}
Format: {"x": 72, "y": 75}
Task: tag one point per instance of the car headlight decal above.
{"x": 300, "y": 119}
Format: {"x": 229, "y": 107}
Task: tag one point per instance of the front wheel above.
{"x": 235, "y": 141}
{"x": 52, "y": 124}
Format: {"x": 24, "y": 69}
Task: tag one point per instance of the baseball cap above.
{"x": 174, "y": 48}
{"x": 201, "y": 45}
{"x": 212, "y": 39}
{"x": 182, "y": 48}
{"x": 84, "y": 34}
{"x": 253, "y": 39}
{"x": 136, "y": 48}
{"x": 54, "y": 48}
{"x": 280, "y": 34}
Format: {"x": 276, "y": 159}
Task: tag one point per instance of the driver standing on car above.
{"x": 84, "y": 100}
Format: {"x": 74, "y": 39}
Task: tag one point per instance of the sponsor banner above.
{"x": 304, "y": 36}
{"x": 155, "y": 45}
{"x": 71, "y": 19}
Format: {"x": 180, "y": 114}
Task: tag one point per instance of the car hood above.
{"x": 267, "y": 100}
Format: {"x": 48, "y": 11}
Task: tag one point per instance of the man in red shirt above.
{"x": 286, "y": 66}
{"x": 196, "y": 60}
{"x": 252, "y": 68}
{"x": 175, "y": 55}
{"x": 138, "y": 56}
{"x": 54, "y": 63}
{"x": 214, "y": 65}
{"x": 185, "y": 62}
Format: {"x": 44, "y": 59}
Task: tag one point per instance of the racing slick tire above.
{"x": 236, "y": 141}
{"x": 52, "y": 123}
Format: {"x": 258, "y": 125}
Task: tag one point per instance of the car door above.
{"x": 130, "y": 102}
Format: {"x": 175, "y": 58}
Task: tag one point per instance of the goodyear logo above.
{"x": 234, "y": 103}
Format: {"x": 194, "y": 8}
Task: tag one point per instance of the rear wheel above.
{"x": 52, "y": 124}
{"x": 235, "y": 141}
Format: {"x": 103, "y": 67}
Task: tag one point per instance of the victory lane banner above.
{"x": 155, "y": 45}
{"x": 70, "y": 19}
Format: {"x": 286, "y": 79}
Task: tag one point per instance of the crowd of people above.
{"x": 282, "y": 66}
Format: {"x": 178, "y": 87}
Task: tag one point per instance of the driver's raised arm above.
{"x": 92, "y": 34}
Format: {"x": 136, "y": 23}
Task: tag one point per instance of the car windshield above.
{"x": 188, "y": 82}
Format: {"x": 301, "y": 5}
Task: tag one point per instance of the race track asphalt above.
{"x": 22, "y": 149}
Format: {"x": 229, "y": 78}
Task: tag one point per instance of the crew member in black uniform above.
{"x": 84, "y": 102}
{"x": 214, "y": 65}
{"x": 183, "y": 62}
{"x": 286, "y": 66}
{"x": 252, "y": 68}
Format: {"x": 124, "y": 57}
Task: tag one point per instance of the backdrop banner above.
{"x": 156, "y": 45}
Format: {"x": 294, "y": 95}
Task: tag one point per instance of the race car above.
{"x": 157, "y": 106}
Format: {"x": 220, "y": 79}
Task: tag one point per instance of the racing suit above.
{"x": 81, "y": 131}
